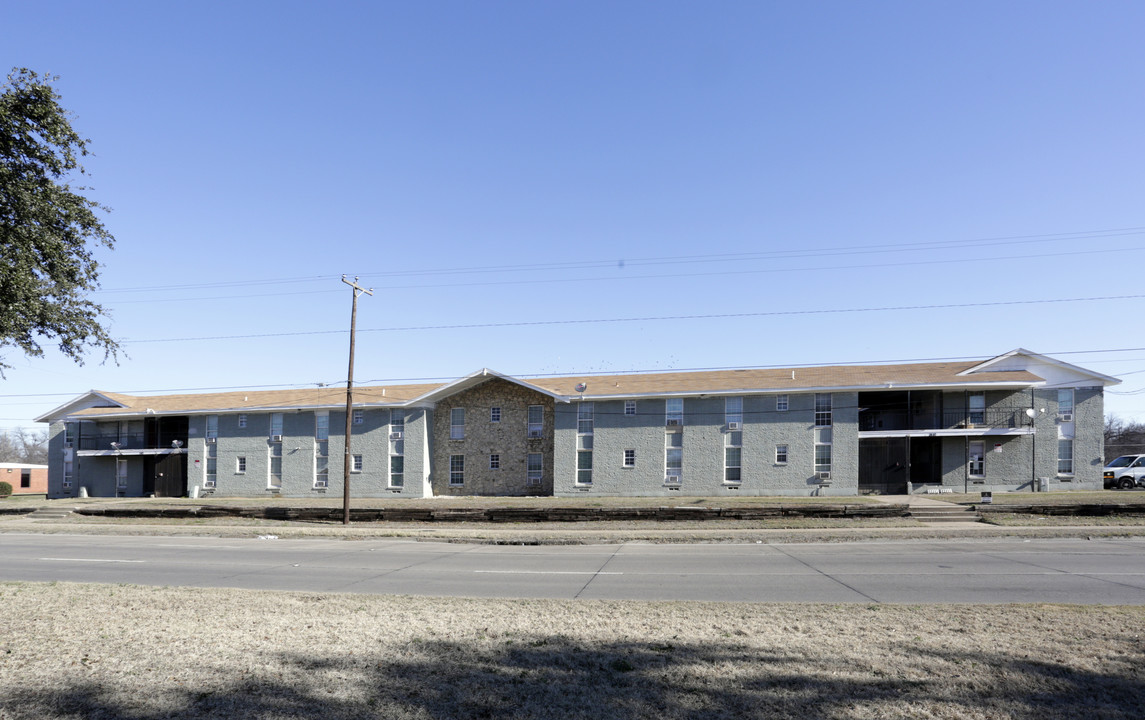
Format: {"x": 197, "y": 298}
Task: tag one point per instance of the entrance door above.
{"x": 165, "y": 475}
{"x": 882, "y": 466}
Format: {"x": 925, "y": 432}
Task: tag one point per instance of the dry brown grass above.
{"x": 100, "y": 651}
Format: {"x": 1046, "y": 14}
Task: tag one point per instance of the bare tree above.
{"x": 24, "y": 446}
{"x": 1123, "y": 438}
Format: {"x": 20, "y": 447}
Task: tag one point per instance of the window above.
{"x": 536, "y": 420}
{"x": 534, "y": 468}
{"x": 212, "y": 470}
{"x": 457, "y": 424}
{"x": 397, "y": 471}
{"x": 1065, "y": 402}
{"x": 977, "y": 405}
{"x": 822, "y": 458}
{"x": 322, "y": 425}
{"x": 359, "y": 417}
{"x": 276, "y": 424}
{"x": 67, "y": 473}
{"x": 584, "y": 415}
{"x": 322, "y": 464}
{"x": 673, "y": 455}
{"x": 781, "y": 403}
{"x": 212, "y": 427}
{"x": 977, "y": 460}
{"x": 495, "y": 414}
{"x": 584, "y": 467}
{"x": 780, "y": 454}
{"x": 674, "y": 411}
{"x": 733, "y": 410}
{"x": 494, "y": 462}
{"x": 822, "y": 409}
{"x": 356, "y": 465}
{"x": 121, "y": 473}
{"x": 1065, "y": 457}
{"x": 397, "y": 420}
{"x": 629, "y": 458}
{"x": 25, "y": 478}
{"x": 732, "y": 460}
{"x": 629, "y": 407}
{"x": 240, "y": 465}
{"x": 242, "y": 420}
{"x": 456, "y": 469}
{"x": 274, "y": 477}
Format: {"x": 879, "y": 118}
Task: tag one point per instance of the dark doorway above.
{"x": 165, "y": 475}
{"x": 883, "y": 466}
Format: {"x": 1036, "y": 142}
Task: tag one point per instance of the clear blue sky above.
{"x": 495, "y": 163}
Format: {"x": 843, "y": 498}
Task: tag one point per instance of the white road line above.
{"x": 99, "y": 560}
{"x": 545, "y": 572}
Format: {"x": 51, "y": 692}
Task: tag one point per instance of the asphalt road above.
{"x": 1104, "y": 571}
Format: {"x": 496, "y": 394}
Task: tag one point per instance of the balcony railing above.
{"x": 126, "y": 441}
{"x": 871, "y": 421}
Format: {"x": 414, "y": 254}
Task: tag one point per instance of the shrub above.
{"x": 5, "y": 489}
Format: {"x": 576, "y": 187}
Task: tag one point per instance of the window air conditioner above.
{"x": 534, "y": 433}
{"x": 1065, "y": 417}
{"x": 673, "y": 422}
{"x": 211, "y": 441}
{"x": 672, "y": 480}
{"x": 276, "y": 438}
{"x": 734, "y": 426}
{"x": 824, "y": 476}
{"x": 395, "y": 436}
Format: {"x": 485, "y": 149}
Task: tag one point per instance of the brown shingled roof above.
{"x": 766, "y": 380}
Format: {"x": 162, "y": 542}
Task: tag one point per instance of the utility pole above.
{"x": 358, "y": 290}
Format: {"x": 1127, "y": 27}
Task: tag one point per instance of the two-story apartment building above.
{"x": 1017, "y": 421}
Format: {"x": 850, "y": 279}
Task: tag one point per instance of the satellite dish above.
{"x": 580, "y": 387}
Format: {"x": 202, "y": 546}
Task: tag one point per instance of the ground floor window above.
{"x": 456, "y": 469}
{"x": 732, "y": 460}
{"x": 121, "y": 473}
{"x": 274, "y": 478}
{"x": 397, "y": 471}
{"x": 822, "y": 458}
{"x": 534, "y": 469}
{"x": 212, "y": 469}
{"x": 1065, "y": 457}
{"x": 977, "y": 460}
{"x": 584, "y": 467}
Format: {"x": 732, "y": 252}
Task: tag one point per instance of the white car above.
{"x": 1125, "y": 472}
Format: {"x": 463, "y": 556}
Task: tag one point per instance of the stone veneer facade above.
{"x": 508, "y": 439}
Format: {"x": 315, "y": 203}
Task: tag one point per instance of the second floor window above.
{"x": 536, "y": 420}
{"x": 674, "y": 411}
{"x": 733, "y": 410}
{"x": 1065, "y": 401}
{"x": 322, "y": 426}
{"x": 584, "y": 421}
{"x": 275, "y": 424}
{"x": 212, "y": 427}
{"x": 457, "y": 424}
{"x": 822, "y": 409}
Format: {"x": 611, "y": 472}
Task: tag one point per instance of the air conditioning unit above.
{"x": 672, "y": 480}
{"x": 534, "y": 433}
{"x": 734, "y": 426}
{"x": 824, "y": 476}
{"x": 395, "y": 436}
{"x": 211, "y": 441}
{"x": 276, "y": 438}
{"x": 1065, "y": 417}
{"x": 533, "y": 481}
{"x": 672, "y": 423}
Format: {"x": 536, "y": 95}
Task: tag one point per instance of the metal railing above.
{"x": 874, "y": 420}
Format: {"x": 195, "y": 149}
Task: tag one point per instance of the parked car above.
{"x": 1125, "y": 472}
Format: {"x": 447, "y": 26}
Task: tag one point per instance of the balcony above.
{"x": 901, "y": 420}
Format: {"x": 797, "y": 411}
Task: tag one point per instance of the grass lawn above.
{"x": 102, "y": 651}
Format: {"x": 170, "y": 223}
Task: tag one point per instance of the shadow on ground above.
{"x": 556, "y": 677}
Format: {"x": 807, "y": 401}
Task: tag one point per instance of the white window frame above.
{"x": 1065, "y": 464}
{"x": 976, "y": 408}
{"x": 397, "y": 479}
{"x": 358, "y": 417}
{"x": 781, "y": 451}
{"x": 583, "y": 473}
{"x": 273, "y": 479}
{"x": 1065, "y": 401}
{"x": 820, "y": 466}
{"x": 456, "y": 470}
{"x": 629, "y": 458}
{"x": 322, "y": 425}
{"x": 456, "y": 429}
{"x": 69, "y": 469}
{"x": 321, "y": 476}
{"x": 240, "y": 465}
{"x": 536, "y": 426}
{"x": 733, "y": 410}
{"x": 782, "y": 403}
{"x": 121, "y": 473}
{"x": 585, "y": 418}
{"x": 674, "y": 412}
{"x": 824, "y": 407}
{"x": 275, "y": 424}
{"x": 729, "y": 466}
{"x": 630, "y": 407}
{"x": 495, "y": 414}
{"x": 212, "y": 427}
{"x": 980, "y": 464}
{"x": 242, "y": 420}
{"x": 357, "y": 463}
{"x": 534, "y": 472}
{"x": 211, "y": 467}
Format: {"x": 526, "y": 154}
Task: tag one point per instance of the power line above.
{"x": 648, "y": 318}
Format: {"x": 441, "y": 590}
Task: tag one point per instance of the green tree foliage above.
{"x": 48, "y": 230}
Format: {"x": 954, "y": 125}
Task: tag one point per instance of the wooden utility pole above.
{"x": 358, "y": 290}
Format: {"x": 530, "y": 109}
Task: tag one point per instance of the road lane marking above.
{"x": 99, "y": 560}
{"x": 546, "y": 572}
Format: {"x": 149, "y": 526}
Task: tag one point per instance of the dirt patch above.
{"x": 99, "y": 651}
